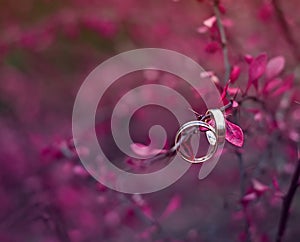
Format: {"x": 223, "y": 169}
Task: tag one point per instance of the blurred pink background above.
{"x": 47, "y": 48}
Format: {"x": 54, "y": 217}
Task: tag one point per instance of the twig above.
{"x": 223, "y": 109}
{"x": 242, "y": 173}
{"x": 171, "y": 151}
{"x": 286, "y": 30}
{"x": 256, "y": 100}
{"x": 287, "y": 201}
{"x": 223, "y": 41}
{"x": 150, "y": 221}
{"x": 242, "y": 193}
{"x": 58, "y": 223}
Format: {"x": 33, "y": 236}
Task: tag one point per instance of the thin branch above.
{"x": 58, "y": 223}
{"x": 242, "y": 174}
{"x": 223, "y": 41}
{"x": 223, "y": 109}
{"x": 256, "y": 100}
{"x": 150, "y": 221}
{"x": 287, "y": 33}
{"x": 242, "y": 193}
{"x": 287, "y": 201}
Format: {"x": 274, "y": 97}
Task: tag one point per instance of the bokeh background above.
{"x": 47, "y": 48}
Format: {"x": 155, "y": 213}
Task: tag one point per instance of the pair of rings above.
{"x": 215, "y": 135}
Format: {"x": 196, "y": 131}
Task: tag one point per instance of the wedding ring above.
{"x": 186, "y": 131}
{"x": 217, "y": 116}
{"x": 215, "y": 135}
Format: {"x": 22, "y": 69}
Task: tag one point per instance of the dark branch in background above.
{"x": 287, "y": 201}
{"x": 59, "y": 226}
{"x": 242, "y": 193}
{"x": 287, "y": 33}
{"x": 288, "y": 198}
{"x": 242, "y": 173}
{"x": 223, "y": 41}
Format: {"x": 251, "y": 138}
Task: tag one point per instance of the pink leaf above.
{"x": 275, "y": 183}
{"x": 202, "y": 29}
{"x": 234, "y": 134}
{"x": 275, "y": 66}
{"x": 248, "y": 198}
{"x": 173, "y": 205}
{"x": 271, "y": 85}
{"x": 287, "y": 85}
{"x": 257, "y": 69}
{"x": 235, "y": 104}
{"x": 210, "y": 21}
{"x": 248, "y": 58}
{"x": 235, "y": 73}
{"x": 223, "y": 95}
{"x": 259, "y": 187}
{"x": 147, "y": 210}
{"x": 233, "y": 91}
{"x": 143, "y": 150}
{"x": 112, "y": 219}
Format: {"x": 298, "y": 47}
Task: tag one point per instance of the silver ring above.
{"x": 215, "y": 136}
{"x": 220, "y": 126}
{"x": 196, "y": 125}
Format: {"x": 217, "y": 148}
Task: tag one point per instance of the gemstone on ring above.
{"x": 211, "y": 137}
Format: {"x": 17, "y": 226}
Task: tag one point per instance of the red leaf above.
{"x": 212, "y": 47}
{"x": 248, "y": 58}
{"x": 234, "y": 134}
{"x": 265, "y": 12}
{"x": 275, "y": 66}
{"x": 222, "y": 8}
{"x": 257, "y": 69}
